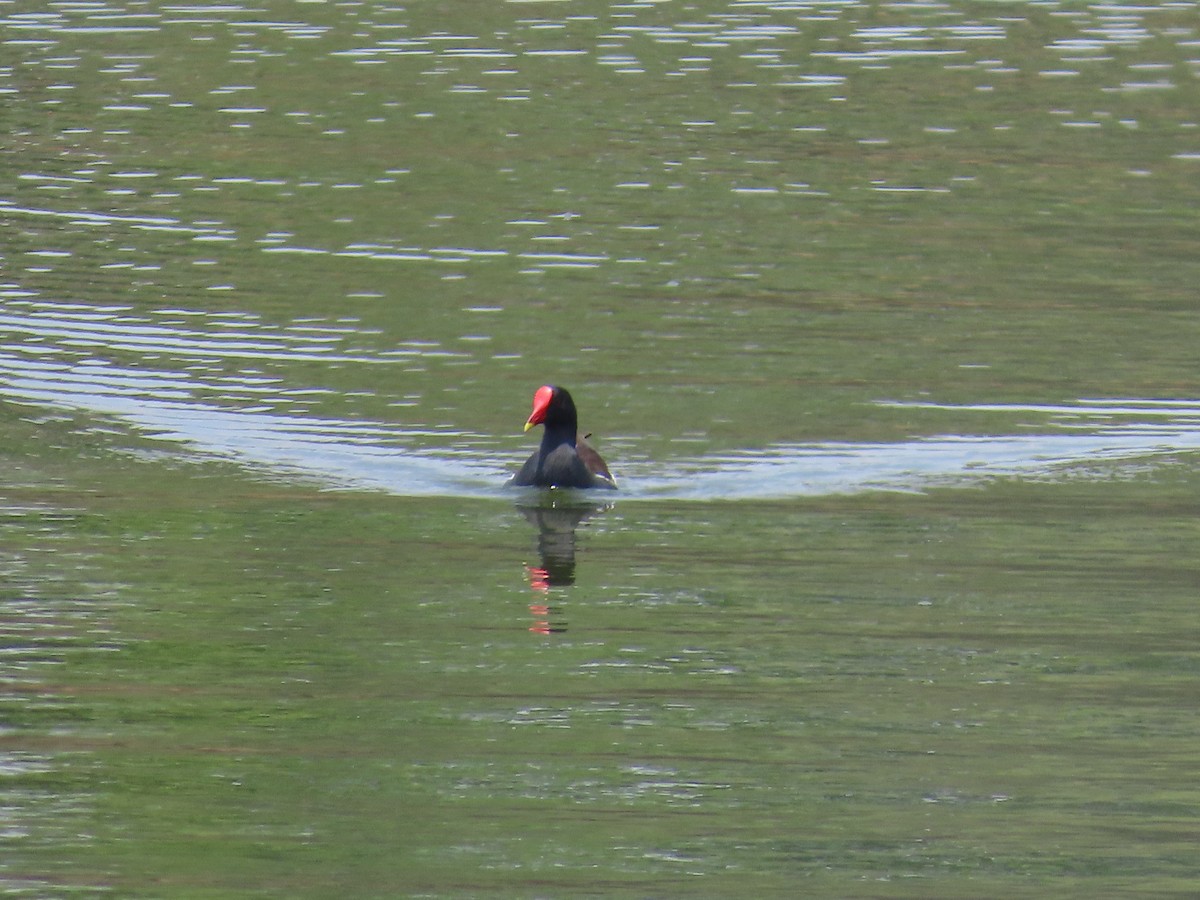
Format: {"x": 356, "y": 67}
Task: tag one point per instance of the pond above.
{"x": 883, "y": 315}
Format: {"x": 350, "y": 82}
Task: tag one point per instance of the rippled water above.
{"x": 263, "y": 423}
{"x": 884, "y": 316}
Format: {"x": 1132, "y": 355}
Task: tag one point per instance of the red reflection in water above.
{"x": 539, "y": 578}
{"x": 544, "y": 624}
{"x": 540, "y": 581}
{"x": 556, "y": 524}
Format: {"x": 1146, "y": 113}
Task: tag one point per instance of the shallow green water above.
{"x": 883, "y": 315}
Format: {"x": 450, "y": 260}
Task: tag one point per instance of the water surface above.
{"x": 883, "y": 315}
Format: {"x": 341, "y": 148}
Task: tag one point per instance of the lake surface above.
{"x": 884, "y": 316}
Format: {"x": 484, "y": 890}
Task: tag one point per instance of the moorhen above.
{"x": 564, "y": 459}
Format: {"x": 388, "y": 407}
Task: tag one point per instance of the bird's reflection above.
{"x": 556, "y": 517}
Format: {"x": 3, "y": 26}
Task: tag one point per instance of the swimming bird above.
{"x": 564, "y": 459}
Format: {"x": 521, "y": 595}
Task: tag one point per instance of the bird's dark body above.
{"x": 563, "y": 459}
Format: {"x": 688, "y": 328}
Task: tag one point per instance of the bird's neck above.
{"x": 557, "y": 435}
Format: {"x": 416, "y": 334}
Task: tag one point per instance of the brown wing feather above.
{"x": 591, "y": 459}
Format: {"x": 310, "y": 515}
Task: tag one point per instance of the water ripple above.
{"x": 920, "y": 464}
{"x": 179, "y": 379}
{"x": 252, "y": 423}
